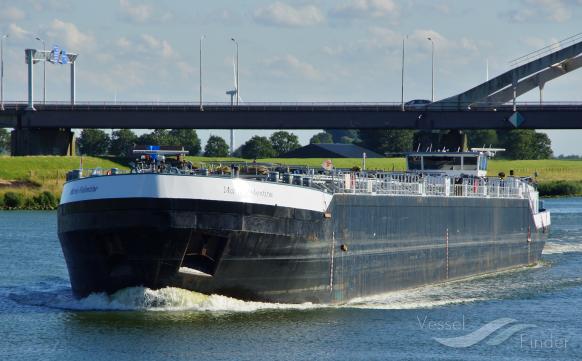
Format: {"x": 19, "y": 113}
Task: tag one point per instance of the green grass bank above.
{"x": 35, "y": 182}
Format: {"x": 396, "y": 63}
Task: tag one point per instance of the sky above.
{"x": 289, "y": 51}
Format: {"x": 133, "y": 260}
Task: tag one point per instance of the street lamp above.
{"x": 43, "y": 71}
{"x": 2, "y": 71}
{"x": 237, "y": 87}
{"x": 201, "y": 107}
{"x": 402, "y": 79}
{"x": 432, "y": 93}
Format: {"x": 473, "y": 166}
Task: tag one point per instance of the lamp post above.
{"x": 237, "y": 86}
{"x": 43, "y": 71}
{"x": 2, "y": 71}
{"x": 201, "y": 107}
{"x": 402, "y": 79}
{"x": 432, "y": 82}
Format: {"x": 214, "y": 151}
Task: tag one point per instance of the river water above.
{"x": 531, "y": 313}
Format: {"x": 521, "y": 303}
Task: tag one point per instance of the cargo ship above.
{"x": 292, "y": 234}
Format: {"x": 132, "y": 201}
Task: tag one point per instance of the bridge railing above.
{"x": 287, "y": 106}
{"x": 546, "y": 50}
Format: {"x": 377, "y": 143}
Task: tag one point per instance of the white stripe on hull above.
{"x": 194, "y": 187}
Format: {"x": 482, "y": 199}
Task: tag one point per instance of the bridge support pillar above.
{"x": 31, "y": 141}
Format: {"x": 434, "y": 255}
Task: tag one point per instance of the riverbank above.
{"x": 35, "y": 182}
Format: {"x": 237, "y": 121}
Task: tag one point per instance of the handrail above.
{"x": 379, "y": 183}
{"x": 290, "y": 106}
{"x": 545, "y": 50}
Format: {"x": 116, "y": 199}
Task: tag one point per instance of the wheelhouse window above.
{"x": 414, "y": 163}
{"x": 470, "y": 163}
{"x": 442, "y": 163}
{"x": 482, "y": 163}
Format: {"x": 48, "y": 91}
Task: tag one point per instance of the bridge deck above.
{"x": 287, "y": 116}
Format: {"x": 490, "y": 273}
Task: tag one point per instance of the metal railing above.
{"x": 546, "y": 50}
{"x": 410, "y": 184}
{"x": 289, "y": 106}
{"x": 376, "y": 183}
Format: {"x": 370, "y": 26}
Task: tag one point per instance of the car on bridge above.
{"x": 417, "y": 104}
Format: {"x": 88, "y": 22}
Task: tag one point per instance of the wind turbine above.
{"x": 235, "y": 91}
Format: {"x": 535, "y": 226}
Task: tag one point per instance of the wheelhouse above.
{"x": 472, "y": 163}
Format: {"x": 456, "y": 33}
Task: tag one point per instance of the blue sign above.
{"x": 516, "y": 119}
{"x": 55, "y": 54}
{"x": 63, "y": 59}
{"x": 154, "y": 155}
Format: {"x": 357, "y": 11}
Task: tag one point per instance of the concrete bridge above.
{"x": 47, "y": 130}
{"x": 42, "y": 128}
{"x": 290, "y": 116}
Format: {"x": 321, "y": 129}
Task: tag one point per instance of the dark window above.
{"x": 442, "y": 163}
{"x": 414, "y": 163}
{"x": 470, "y": 163}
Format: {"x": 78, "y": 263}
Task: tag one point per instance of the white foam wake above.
{"x": 560, "y": 247}
{"x": 418, "y": 298}
{"x": 176, "y": 299}
{"x": 172, "y": 299}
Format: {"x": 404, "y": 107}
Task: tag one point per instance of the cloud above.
{"x": 12, "y": 13}
{"x": 74, "y": 39}
{"x": 384, "y": 36}
{"x": 228, "y": 17}
{"x": 17, "y": 32}
{"x": 151, "y": 47}
{"x": 281, "y": 14}
{"x": 441, "y": 7}
{"x": 553, "y": 10}
{"x": 123, "y": 43}
{"x": 162, "y": 46}
{"x": 365, "y": 9}
{"x": 386, "y": 44}
{"x": 539, "y": 43}
{"x": 288, "y": 65}
{"x": 142, "y": 13}
{"x": 147, "y": 44}
{"x": 185, "y": 68}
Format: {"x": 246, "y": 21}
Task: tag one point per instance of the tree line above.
{"x": 121, "y": 143}
{"x": 4, "y": 141}
{"x": 519, "y": 143}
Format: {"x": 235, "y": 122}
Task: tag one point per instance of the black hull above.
{"x": 363, "y": 245}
